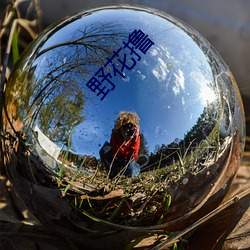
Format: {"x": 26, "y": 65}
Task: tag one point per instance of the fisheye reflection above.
{"x": 127, "y": 113}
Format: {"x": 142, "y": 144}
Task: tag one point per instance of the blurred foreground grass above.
{"x": 229, "y": 229}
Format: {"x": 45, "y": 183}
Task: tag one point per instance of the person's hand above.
{"x": 136, "y": 132}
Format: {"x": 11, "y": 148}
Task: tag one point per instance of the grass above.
{"x": 108, "y": 199}
{"x": 139, "y": 201}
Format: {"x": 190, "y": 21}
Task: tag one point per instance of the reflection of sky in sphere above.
{"x": 168, "y": 88}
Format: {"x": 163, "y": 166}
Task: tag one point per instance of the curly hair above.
{"x": 126, "y": 117}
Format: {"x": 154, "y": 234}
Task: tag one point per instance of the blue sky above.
{"x": 168, "y": 88}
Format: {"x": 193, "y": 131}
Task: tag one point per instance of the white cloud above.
{"x": 142, "y": 76}
{"x": 183, "y": 100}
{"x": 160, "y": 71}
{"x": 154, "y": 52}
{"x": 206, "y": 93}
{"x": 179, "y": 82}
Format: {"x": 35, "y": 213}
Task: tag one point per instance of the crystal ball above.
{"x": 121, "y": 120}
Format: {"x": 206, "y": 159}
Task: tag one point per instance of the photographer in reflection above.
{"x": 119, "y": 156}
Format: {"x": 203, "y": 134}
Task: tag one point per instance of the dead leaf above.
{"x": 111, "y": 195}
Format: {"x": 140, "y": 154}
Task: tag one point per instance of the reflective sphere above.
{"x": 120, "y": 120}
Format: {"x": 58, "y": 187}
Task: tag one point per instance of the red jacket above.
{"x": 126, "y": 151}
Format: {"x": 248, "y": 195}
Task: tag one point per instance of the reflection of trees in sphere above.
{"x": 61, "y": 103}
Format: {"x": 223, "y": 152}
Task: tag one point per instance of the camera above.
{"x": 128, "y": 129}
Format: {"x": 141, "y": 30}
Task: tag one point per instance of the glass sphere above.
{"x": 121, "y": 120}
